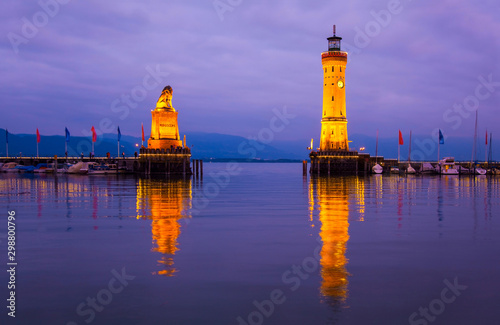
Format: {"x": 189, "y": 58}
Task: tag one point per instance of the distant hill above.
{"x": 224, "y": 146}
{"x": 204, "y": 145}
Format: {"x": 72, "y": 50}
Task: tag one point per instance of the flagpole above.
{"x": 490, "y": 151}
{"x": 400, "y": 143}
{"x": 409, "y": 150}
{"x": 486, "y": 154}
{"x": 398, "y": 150}
{"x": 142, "y": 137}
{"x": 94, "y": 139}
{"x": 118, "y": 149}
{"x": 439, "y": 147}
{"x": 37, "y": 141}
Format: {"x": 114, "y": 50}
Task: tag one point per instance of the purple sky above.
{"x": 230, "y": 69}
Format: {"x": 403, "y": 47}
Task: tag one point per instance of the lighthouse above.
{"x": 333, "y": 156}
{"x": 334, "y": 121}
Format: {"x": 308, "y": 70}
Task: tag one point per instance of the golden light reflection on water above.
{"x": 331, "y": 196}
{"x": 165, "y": 202}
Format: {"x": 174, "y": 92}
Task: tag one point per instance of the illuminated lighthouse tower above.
{"x": 334, "y": 121}
{"x": 333, "y": 156}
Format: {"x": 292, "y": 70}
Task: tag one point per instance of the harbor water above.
{"x": 252, "y": 243}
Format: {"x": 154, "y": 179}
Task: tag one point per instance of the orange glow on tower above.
{"x": 164, "y": 127}
{"x": 334, "y": 121}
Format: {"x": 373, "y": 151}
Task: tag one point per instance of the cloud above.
{"x": 228, "y": 75}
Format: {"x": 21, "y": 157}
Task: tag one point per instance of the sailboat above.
{"x": 477, "y": 169}
{"x": 427, "y": 168}
{"x": 410, "y": 169}
{"x": 494, "y": 171}
{"x": 377, "y": 169}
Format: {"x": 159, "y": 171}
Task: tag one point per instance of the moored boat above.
{"x": 40, "y": 168}
{"x": 25, "y": 169}
{"x": 427, "y": 168}
{"x": 480, "y": 171}
{"x": 103, "y": 169}
{"x": 410, "y": 170}
{"x": 77, "y": 168}
{"x": 463, "y": 170}
{"x": 9, "y": 167}
{"x": 377, "y": 169}
{"x": 446, "y": 166}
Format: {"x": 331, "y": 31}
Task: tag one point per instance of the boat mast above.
{"x": 486, "y": 149}
{"x": 409, "y": 150}
{"x": 376, "y": 150}
{"x": 473, "y": 158}
{"x": 490, "y": 154}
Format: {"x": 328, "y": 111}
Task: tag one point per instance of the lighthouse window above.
{"x": 340, "y": 69}
{"x": 333, "y": 98}
{"x": 333, "y": 69}
{"x": 325, "y": 69}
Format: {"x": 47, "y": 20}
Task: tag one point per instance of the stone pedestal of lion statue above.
{"x": 164, "y": 128}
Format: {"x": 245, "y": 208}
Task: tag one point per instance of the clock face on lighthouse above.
{"x": 340, "y": 83}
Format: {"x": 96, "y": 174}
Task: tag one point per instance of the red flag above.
{"x": 142, "y": 126}
{"x": 94, "y": 134}
{"x": 401, "y": 142}
{"x": 37, "y": 136}
{"x": 486, "y": 137}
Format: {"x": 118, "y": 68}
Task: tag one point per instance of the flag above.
{"x": 37, "y": 136}
{"x": 401, "y": 142}
{"x": 6, "y": 136}
{"x": 94, "y": 134}
{"x": 142, "y": 131}
{"x": 441, "y": 138}
{"x": 486, "y": 137}
{"x": 67, "y": 134}
{"x": 119, "y": 134}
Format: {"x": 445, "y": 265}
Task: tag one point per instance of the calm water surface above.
{"x": 261, "y": 246}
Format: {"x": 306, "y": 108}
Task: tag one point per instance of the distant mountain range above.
{"x": 224, "y": 146}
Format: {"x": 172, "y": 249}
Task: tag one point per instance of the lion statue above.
{"x": 165, "y": 100}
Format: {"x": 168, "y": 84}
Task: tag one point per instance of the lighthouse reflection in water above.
{"x": 167, "y": 203}
{"x": 368, "y": 243}
{"x": 331, "y": 199}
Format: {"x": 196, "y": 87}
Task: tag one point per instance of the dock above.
{"x": 149, "y": 162}
{"x": 332, "y": 163}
